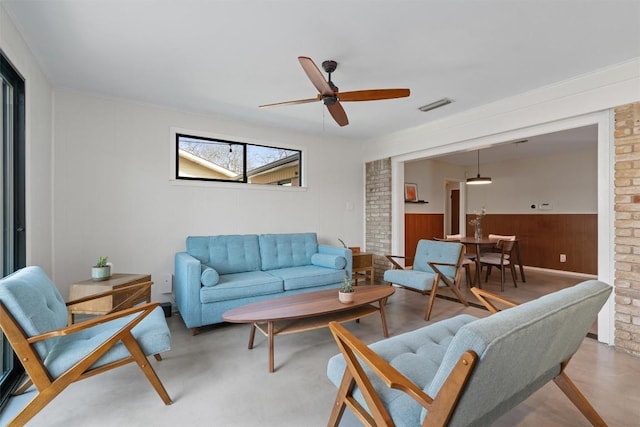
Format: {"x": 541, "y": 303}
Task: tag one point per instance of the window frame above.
{"x": 174, "y": 178}
{"x": 14, "y": 205}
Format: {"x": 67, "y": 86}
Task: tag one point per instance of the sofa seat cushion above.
{"x": 417, "y": 354}
{"x": 308, "y": 276}
{"x": 241, "y": 285}
{"x": 420, "y": 280}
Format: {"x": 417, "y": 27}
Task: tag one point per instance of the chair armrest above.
{"x": 138, "y": 289}
{"x": 440, "y": 409}
{"x": 186, "y": 288}
{"x": 486, "y": 297}
{"x": 393, "y": 378}
{"x": 397, "y": 266}
{"x": 144, "y": 309}
{"x": 445, "y": 264}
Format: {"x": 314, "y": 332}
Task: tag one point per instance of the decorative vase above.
{"x": 345, "y": 297}
{"x": 100, "y": 273}
{"x": 477, "y": 233}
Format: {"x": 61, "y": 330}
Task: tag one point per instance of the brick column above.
{"x": 378, "y": 213}
{"x": 627, "y": 228}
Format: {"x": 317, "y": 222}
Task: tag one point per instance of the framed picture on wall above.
{"x": 410, "y": 192}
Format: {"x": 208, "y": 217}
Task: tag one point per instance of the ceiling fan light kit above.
{"x": 479, "y": 180}
{"x": 329, "y": 94}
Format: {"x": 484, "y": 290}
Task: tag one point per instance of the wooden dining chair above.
{"x": 501, "y": 260}
{"x": 33, "y": 317}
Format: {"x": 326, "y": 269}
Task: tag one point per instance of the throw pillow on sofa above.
{"x": 329, "y": 261}
{"x": 209, "y": 276}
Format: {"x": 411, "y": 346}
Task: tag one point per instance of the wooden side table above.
{"x": 105, "y": 305}
{"x": 362, "y": 267}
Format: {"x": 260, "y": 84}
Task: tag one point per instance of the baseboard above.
{"x": 561, "y": 272}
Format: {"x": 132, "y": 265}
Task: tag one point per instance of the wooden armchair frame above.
{"x": 452, "y": 284}
{"x": 38, "y": 375}
{"x": 354, "y": 351}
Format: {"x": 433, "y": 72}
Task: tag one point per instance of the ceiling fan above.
{"x": 331, "y": 96}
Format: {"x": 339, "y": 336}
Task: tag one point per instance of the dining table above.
{"x": 478, "y": 243}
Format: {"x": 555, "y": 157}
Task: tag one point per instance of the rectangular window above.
{"x": 211, "y": 159}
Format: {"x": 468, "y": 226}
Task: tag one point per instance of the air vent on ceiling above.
{"x": 437, "y": 104}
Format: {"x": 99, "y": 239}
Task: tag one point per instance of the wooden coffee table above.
{"x": 309, "y": 311}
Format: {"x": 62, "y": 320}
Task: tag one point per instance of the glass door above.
{"x": 12, "y": 197}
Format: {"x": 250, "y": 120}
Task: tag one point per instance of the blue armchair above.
{"x": 33, "y": 316}
{"x": 436, "y": 263}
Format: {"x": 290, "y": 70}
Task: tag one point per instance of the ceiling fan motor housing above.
{"x": 329, "y": 66}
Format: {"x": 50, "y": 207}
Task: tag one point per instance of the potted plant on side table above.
{"x": 101, "y": 271}
{"x": 346, "y": 292}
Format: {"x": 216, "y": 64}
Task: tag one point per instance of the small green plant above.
{"x": 102, "y": 261}
{"x": 347, "y": 287}
{"x": 343, "y": 243}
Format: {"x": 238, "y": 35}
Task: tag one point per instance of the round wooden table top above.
{"x": 307, "y": 304}
{"x": 474, "y": 241}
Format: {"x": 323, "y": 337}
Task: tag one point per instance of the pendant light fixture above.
{"x": 479, "y": 180}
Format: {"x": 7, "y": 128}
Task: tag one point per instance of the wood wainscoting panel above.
{"x": 421, "y": 226}
{"x": 543, "y": 237}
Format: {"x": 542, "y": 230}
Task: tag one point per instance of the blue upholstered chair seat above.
{"x": 152, "y": 334}
{"x": 308, "y": 276}
{"x": 420, "y": 280}
{"x": 417, "y": 354}
{"x": 241, "y": 285}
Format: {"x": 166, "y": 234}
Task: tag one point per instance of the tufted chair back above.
{"x": 34, "y": 301}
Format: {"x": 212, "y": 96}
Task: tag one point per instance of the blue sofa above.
{"x": 218, "y": 273}
{"x": 468, "y": 371}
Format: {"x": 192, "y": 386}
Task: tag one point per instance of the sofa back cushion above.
{"x": 519, "y": 350}
{"x": 287, "y": 250}
{"x": 226, "y": 254}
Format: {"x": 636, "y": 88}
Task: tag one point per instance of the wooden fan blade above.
{"x": 338, "y": 114}
{"x": 297, "y": 101}
{"x": 372, "y": 94}
{"x": 315, "y": 75}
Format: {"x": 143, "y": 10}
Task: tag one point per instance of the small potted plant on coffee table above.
{"x": 101, "y": 271}
{"x": 346, "y": 292}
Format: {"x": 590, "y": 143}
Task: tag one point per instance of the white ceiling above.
{"x": 584, "y": 138}
{"x": 228, "y": 57}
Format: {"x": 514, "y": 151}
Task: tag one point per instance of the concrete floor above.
{"x": 215, "y": 380}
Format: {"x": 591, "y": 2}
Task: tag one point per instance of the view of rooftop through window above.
{"x": 222, "y": 160}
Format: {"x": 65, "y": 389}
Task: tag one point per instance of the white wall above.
{"x": 430, "y": 176}
{"x": 567, "y": 181}
{"x": 517, "y": 184}
{"x": 38, "y": 144}
{"x": 114, "y": 196}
